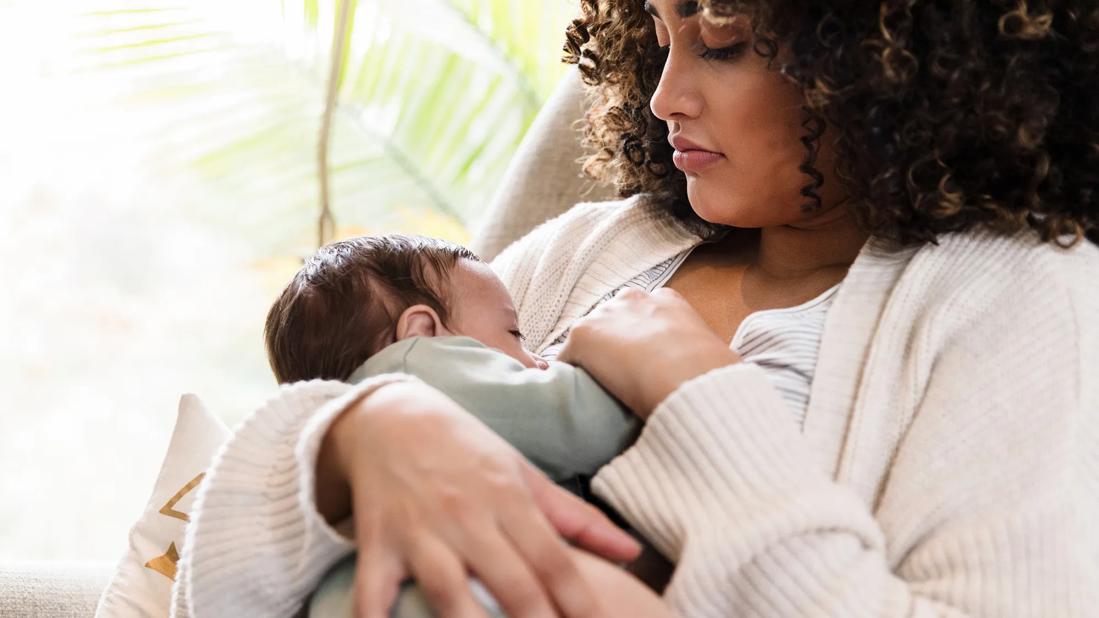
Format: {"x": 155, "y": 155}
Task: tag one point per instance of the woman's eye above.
{"x": 724, "y": 53}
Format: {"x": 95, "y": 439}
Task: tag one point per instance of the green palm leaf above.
{"x": 432, "y": 98}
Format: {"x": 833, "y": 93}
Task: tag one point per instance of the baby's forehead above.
{"x": 475, "y": 283}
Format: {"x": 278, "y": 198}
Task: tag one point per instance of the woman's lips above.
{"x": 691, "y": 156}
{"x": 695, "y": 160}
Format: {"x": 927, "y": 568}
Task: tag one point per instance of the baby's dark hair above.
{"x": 343, "y": 305}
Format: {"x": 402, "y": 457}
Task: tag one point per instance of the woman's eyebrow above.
{"x": 684, "y": 9}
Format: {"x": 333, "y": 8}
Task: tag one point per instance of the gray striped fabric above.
{"x": 785, "y": 342}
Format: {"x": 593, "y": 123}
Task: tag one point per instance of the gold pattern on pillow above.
{"x": 168, "y": 509}
{"x": 165, "y": 564}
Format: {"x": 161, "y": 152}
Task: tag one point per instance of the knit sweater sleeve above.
{"x": 982, "y": 512}
{"x": 256, "y": 544}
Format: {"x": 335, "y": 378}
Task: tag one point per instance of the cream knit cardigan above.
{"x": 949, "y": 463}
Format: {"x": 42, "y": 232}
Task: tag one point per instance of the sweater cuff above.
{"x": 257, "y": 545}
{"x": 722, "y": 450}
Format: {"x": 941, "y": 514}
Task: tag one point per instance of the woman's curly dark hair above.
{"x": 949, "y": 114}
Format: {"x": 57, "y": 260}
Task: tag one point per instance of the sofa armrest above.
{"x": 544, "y": 178}
{"x": 34, "y": 589}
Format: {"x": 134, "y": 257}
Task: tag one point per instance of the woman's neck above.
{"x": 830, "y": 241}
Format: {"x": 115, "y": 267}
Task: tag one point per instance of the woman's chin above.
{"x": 723, "y": 207}
{"x": 708, "y": 205}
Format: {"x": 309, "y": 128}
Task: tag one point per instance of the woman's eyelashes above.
{"x": 718, "y": 54}
{"x": 723, "y": 53}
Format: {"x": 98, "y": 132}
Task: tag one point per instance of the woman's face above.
{"x": 735, "y": 124}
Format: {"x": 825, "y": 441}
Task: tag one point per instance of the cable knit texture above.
{"x": 948, "y": 464}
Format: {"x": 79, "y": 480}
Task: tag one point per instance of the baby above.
{"x": 432, "y": 309}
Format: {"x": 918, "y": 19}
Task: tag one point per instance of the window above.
{"x": 160, "y": 184}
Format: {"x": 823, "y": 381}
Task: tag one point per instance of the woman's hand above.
{"x": 437, "y": 495}
{"x": 642, "y": 346}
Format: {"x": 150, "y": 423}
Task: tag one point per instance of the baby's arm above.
{"x": 559, "y": 418}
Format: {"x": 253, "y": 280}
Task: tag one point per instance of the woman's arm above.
{"x": 448, "y": 490}
{"x": 437, "y": 495}
{"x": 986, "y": 509}
{"x": 255, "y": 544}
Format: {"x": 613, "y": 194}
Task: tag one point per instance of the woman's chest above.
{"x": 725, "y": 290}
{"x": 715, "y": 293}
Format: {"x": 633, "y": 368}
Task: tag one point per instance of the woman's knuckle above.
{"x": 666, "y": 291}
{"x": 580, "y": 328}
{"x": 454, "y": 502}
{"x": 500, "y": 483}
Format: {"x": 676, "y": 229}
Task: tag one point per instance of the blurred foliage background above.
{"x": 160, "y": 181}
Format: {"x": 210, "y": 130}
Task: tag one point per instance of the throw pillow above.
{"x": 142, "y": 582}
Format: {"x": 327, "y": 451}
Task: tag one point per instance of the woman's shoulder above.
{"x": 969, "y": 277}
{"x": 980, "y": 259}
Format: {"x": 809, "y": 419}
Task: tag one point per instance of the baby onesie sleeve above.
{"x": 559, "y": 418}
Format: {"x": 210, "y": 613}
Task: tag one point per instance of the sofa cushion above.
{"x": 544, "y": 178}
{"x": 35, "y": 589}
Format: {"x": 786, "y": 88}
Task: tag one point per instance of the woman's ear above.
{"x": 419, "y": 320}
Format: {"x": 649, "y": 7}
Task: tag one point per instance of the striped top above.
{"x": 782, "y": 342}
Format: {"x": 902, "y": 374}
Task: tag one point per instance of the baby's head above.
{"x": 357, "y": 296}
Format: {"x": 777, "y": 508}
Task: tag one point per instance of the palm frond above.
{"x": 432, "y": 98}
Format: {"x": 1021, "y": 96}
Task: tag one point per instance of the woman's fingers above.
{"x": 378, "y": 576}
{"x": 443, "y": 516}
{"x": 442, "y": 578}
{"x": 505, "y": 572}
{"x": 550, "y": 558}
{"x": 579, "y": 521}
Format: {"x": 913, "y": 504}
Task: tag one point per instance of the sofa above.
{"x": 543, "y": 180}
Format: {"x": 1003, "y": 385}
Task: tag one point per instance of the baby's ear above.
{"x": 419, "y": 320}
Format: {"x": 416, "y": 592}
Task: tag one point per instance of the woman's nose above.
{"x": 676, "y": 96}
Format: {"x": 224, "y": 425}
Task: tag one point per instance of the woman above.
{"x": 882, "y": 208}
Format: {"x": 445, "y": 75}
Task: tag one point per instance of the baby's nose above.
{"x": 539, "y": 361}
